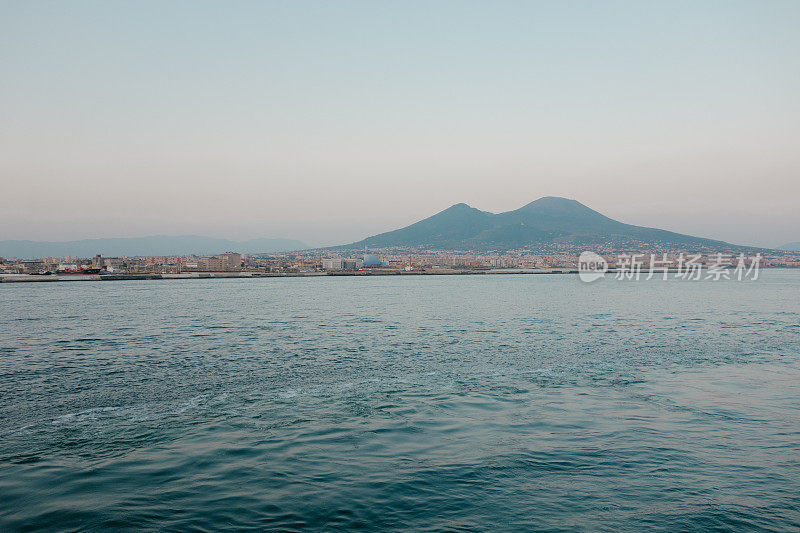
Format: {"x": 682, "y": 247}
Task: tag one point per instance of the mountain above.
{"x": 548, "y": 220}
{"x": 792, "y": 247}
{"x": 153, "y": 245}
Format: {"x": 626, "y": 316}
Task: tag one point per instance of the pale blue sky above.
{"x": 330, "y": 121}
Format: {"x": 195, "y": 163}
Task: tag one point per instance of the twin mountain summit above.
{"x": 547, "y": 221}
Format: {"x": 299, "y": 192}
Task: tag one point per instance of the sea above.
{"x": 401, "y": 403}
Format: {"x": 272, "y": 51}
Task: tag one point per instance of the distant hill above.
{"x": 547, "y": 220}
{"x": 153, "y": 245}
{"x": 792, "y": 246}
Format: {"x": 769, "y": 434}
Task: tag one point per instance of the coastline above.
{"x": 33, "y": 278}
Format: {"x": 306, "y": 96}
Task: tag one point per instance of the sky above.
{"x": 331, "y": 121}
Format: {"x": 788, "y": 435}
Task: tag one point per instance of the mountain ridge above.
{"x": 152, "y": 245}
{"x": 547, "y": 220}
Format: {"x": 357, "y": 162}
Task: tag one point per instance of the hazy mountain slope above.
{"x": 546, "y": 220}
{"x": 152, "y": 245}
{"x": 457, "y": 223}
{"x": 574, "y": 221}
{"x": 791, "y": 246}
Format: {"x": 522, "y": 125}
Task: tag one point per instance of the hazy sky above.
{"x": 331, "y": 121}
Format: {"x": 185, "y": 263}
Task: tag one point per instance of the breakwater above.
{"x": 33, "y": 278}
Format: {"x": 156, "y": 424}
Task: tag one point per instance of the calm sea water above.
{"x": 419, "y": 403}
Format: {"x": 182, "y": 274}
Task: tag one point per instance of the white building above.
{"x": 334, "y": 263}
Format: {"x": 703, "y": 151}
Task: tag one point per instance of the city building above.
{"x": 227, "y": 262}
